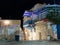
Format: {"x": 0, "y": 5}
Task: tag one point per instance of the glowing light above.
{"x": 32, "y": 35}
{"x": 6, "y": 22}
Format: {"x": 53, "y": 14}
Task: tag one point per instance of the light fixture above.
{"x": 6, "y": 22}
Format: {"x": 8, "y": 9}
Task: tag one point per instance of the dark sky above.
{"x": 14, "y": 9}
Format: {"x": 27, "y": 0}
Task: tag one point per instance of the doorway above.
{"x": 39, "y": 35}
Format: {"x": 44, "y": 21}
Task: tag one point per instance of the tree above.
{"x": 53, "y": 15}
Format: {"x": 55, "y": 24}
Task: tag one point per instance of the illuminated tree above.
{"x": 53, "y": 15}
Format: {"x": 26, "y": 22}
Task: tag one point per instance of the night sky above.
{"x": 14, "y": 9}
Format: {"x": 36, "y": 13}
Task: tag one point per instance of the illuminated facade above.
{"x": 41, "y": 31}
{"x": 8, "y": 29}
{"x": 43, "y": 28}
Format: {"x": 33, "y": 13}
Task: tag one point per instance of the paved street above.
{"x": 30, "y": 43}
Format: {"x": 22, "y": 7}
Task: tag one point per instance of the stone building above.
{"x": 43, "y": 29}
{"x": 8, "y": 29}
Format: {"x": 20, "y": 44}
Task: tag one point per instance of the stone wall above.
{"x": 42, "y": 29}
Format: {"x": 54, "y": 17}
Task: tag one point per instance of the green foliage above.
{"x": 54, "y": 16}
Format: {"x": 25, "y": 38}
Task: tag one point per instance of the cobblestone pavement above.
{"x": 30, "y": 43}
